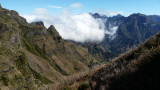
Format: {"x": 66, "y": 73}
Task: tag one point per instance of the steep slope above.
{"x": 31, "y": 56}
{"x": 136, "y": 70}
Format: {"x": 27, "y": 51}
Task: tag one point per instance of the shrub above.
{"x": 84, "y": 86}
{"x": 67, "y": 88}
{"x": 5, "y": 80}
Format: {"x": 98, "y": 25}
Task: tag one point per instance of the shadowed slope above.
{"x": 136, "y": 70}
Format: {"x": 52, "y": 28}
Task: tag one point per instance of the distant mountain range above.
{"x": 130, "y": 32}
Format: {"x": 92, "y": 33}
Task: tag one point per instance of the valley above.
{"x": 36, "y": 57}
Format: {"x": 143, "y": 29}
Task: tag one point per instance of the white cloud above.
{"x": 112, "y": 31}
{"x": 109, "y": 13}
{"x": 51, "y": 6}
{"x": 81, "y": 27}
{"x": 76, "y": 5}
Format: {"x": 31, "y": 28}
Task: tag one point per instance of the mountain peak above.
{"x": 51, "y": 27}
{"x": 53, "y": 31}
{"x": 96, "y": 15}
{"x": 116, "y": 16}
{"x": 119, "y": 15}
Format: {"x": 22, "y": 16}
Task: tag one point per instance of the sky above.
{"x": 54, "y": 6}
{"x": 71, "y": 18}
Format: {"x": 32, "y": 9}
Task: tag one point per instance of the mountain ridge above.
{"x": 32, "y": 56}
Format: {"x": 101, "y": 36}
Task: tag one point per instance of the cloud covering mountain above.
{"x": 79, "y": 27}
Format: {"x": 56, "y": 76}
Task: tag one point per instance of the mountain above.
{"x": 33, "y": 57}
{"x": 135, "y": 30}
{"x": 137, "y": 69}
{"x": 122, "y": 34}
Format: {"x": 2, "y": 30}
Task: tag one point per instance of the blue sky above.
{"x": 54, "y": 6}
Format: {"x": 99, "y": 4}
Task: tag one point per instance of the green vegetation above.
{"x": 84, "y": 86}
{"x": 67, "y": 88}
{"x": 5, "y": 51}
{"x": 21, "y": 64}
{"x": 4, "y": 79}
{"x": 34, "y": 49}
{"x": 40, "y": 77}
{"x": 60, "y": 70}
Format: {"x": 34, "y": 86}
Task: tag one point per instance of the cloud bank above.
{"x": 80, "y": 28}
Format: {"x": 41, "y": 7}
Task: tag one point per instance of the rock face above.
{"x": 38, "y": 23}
